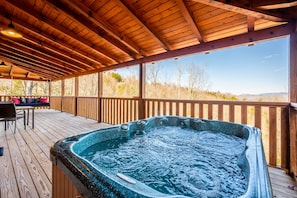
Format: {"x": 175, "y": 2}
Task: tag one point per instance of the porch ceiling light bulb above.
{"x": 2, "y": 64}
{"x": 10, "y": 31}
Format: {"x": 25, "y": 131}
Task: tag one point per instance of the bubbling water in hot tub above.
{"x": 176, "y": 160}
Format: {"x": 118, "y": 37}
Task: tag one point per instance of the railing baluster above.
{"x": 220, "y": 111}
{"x": 231, "y": 113}
{"x": 201, "y": 110}
{"x": 184, "y": 105}
{"x": 285, "y": 155}
{"x": 243, "y": 114}
{"x": 272, "y": 136}
{"x": 209, "y": 107}
{"x": 258, "y": 116}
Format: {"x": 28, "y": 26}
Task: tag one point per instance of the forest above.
{"x": 190, "y": 82}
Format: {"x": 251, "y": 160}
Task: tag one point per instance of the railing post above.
{"x": 293, "y": 99}
{"x": 76, "y": 81}
{"x": 293, "y": 141}
{"x": 99, "y": 97}
{"x": 141, "y": 104}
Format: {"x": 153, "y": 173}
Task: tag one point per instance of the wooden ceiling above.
{"x": 66, "y": 38}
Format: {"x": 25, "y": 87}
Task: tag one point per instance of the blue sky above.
{"x": 262, "y": 68}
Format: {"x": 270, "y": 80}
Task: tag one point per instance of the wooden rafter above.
{"x": 30, "y": 56}
{"x": 274, "y": 4}
{"x": 24, "y": 47}
{"x": 96, "y": 19}
{"x": 30, "y": 43}
{"x": 238, "y": 8}
{"x": 189, "y": 18}
{"x": 79, "y": 56}
{"x": 78, "y": 19}
{"x": 26, "y": 64}
{"x": 22, "y": 6}
{"x": 250, "y": 23}
{"x": 38, "y": 71}
{"x": 150, "y": 31}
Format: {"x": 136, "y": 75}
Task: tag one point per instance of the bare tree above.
{"x": 31, "y": 87}
{"x": 197, "y": 80}
{"x": 152, "y": 76}
{"x": 179, "y": 77}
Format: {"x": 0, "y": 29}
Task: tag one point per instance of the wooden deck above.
{"x": 26, "y": 169}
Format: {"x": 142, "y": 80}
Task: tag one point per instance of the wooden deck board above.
{"x": 26, "y": 169}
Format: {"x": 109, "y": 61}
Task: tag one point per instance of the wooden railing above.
{"x": 88, "y": 107}
{"x": 119, "y": 110}
{"x": 273, "y": 118}
{"x": 80, "y": 106}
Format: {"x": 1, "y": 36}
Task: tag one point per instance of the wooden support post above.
{"x": 141, "y": 105}
{"x": 100, "y": 92}
{"x": 62, "y": 93}
{"x": 293, "y": 99}
{"x": 49, "y": 90}
{"x": 76, "y": 82}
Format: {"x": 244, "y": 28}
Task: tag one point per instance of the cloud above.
{"x": 270, "y": 56}
{"x": 278, "y": 69}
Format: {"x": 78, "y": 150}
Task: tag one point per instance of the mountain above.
{"x": 276, "y": 96}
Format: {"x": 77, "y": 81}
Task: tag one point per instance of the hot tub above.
{"x": 165, "y": 156}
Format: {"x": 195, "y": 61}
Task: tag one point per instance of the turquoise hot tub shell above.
{"x": 93, "y": 182}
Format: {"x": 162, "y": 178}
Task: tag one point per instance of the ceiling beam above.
{"x": 96, "y": 19}
{"x": 26, "y": 66}
{"x": 274, "y": 4}
{"x": 79, "y": 19}
{"x": 68, "y": 52}
{"x": 25, "y": 54}
{"x": 25, "y": 8}
{"x": 58, "y": 58}
{"x": 30, "y": 66}
{"x": 234, "y": 6}
{"x": 150, "y": 31}
{"x": 41, "y": 54}
{"x": 189, "y": 18}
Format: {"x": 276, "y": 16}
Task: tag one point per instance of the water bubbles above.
{"x": 179, "y": 161}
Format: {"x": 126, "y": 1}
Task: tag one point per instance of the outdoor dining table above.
{"x": 28, "y": 108}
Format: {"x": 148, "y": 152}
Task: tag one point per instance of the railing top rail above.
{"x": 222, "y": 102}
{"x": 250, "y": 103}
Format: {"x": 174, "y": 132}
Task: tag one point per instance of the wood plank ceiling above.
{"x": 66, "y": 38}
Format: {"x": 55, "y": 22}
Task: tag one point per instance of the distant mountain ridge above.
{"x": 272, "y": 94}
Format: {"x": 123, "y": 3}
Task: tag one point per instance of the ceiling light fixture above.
{"x": 2, "y": 64}
{"x": 10, "y": 31}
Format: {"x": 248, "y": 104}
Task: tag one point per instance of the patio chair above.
{"x": 8, "y": 114}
